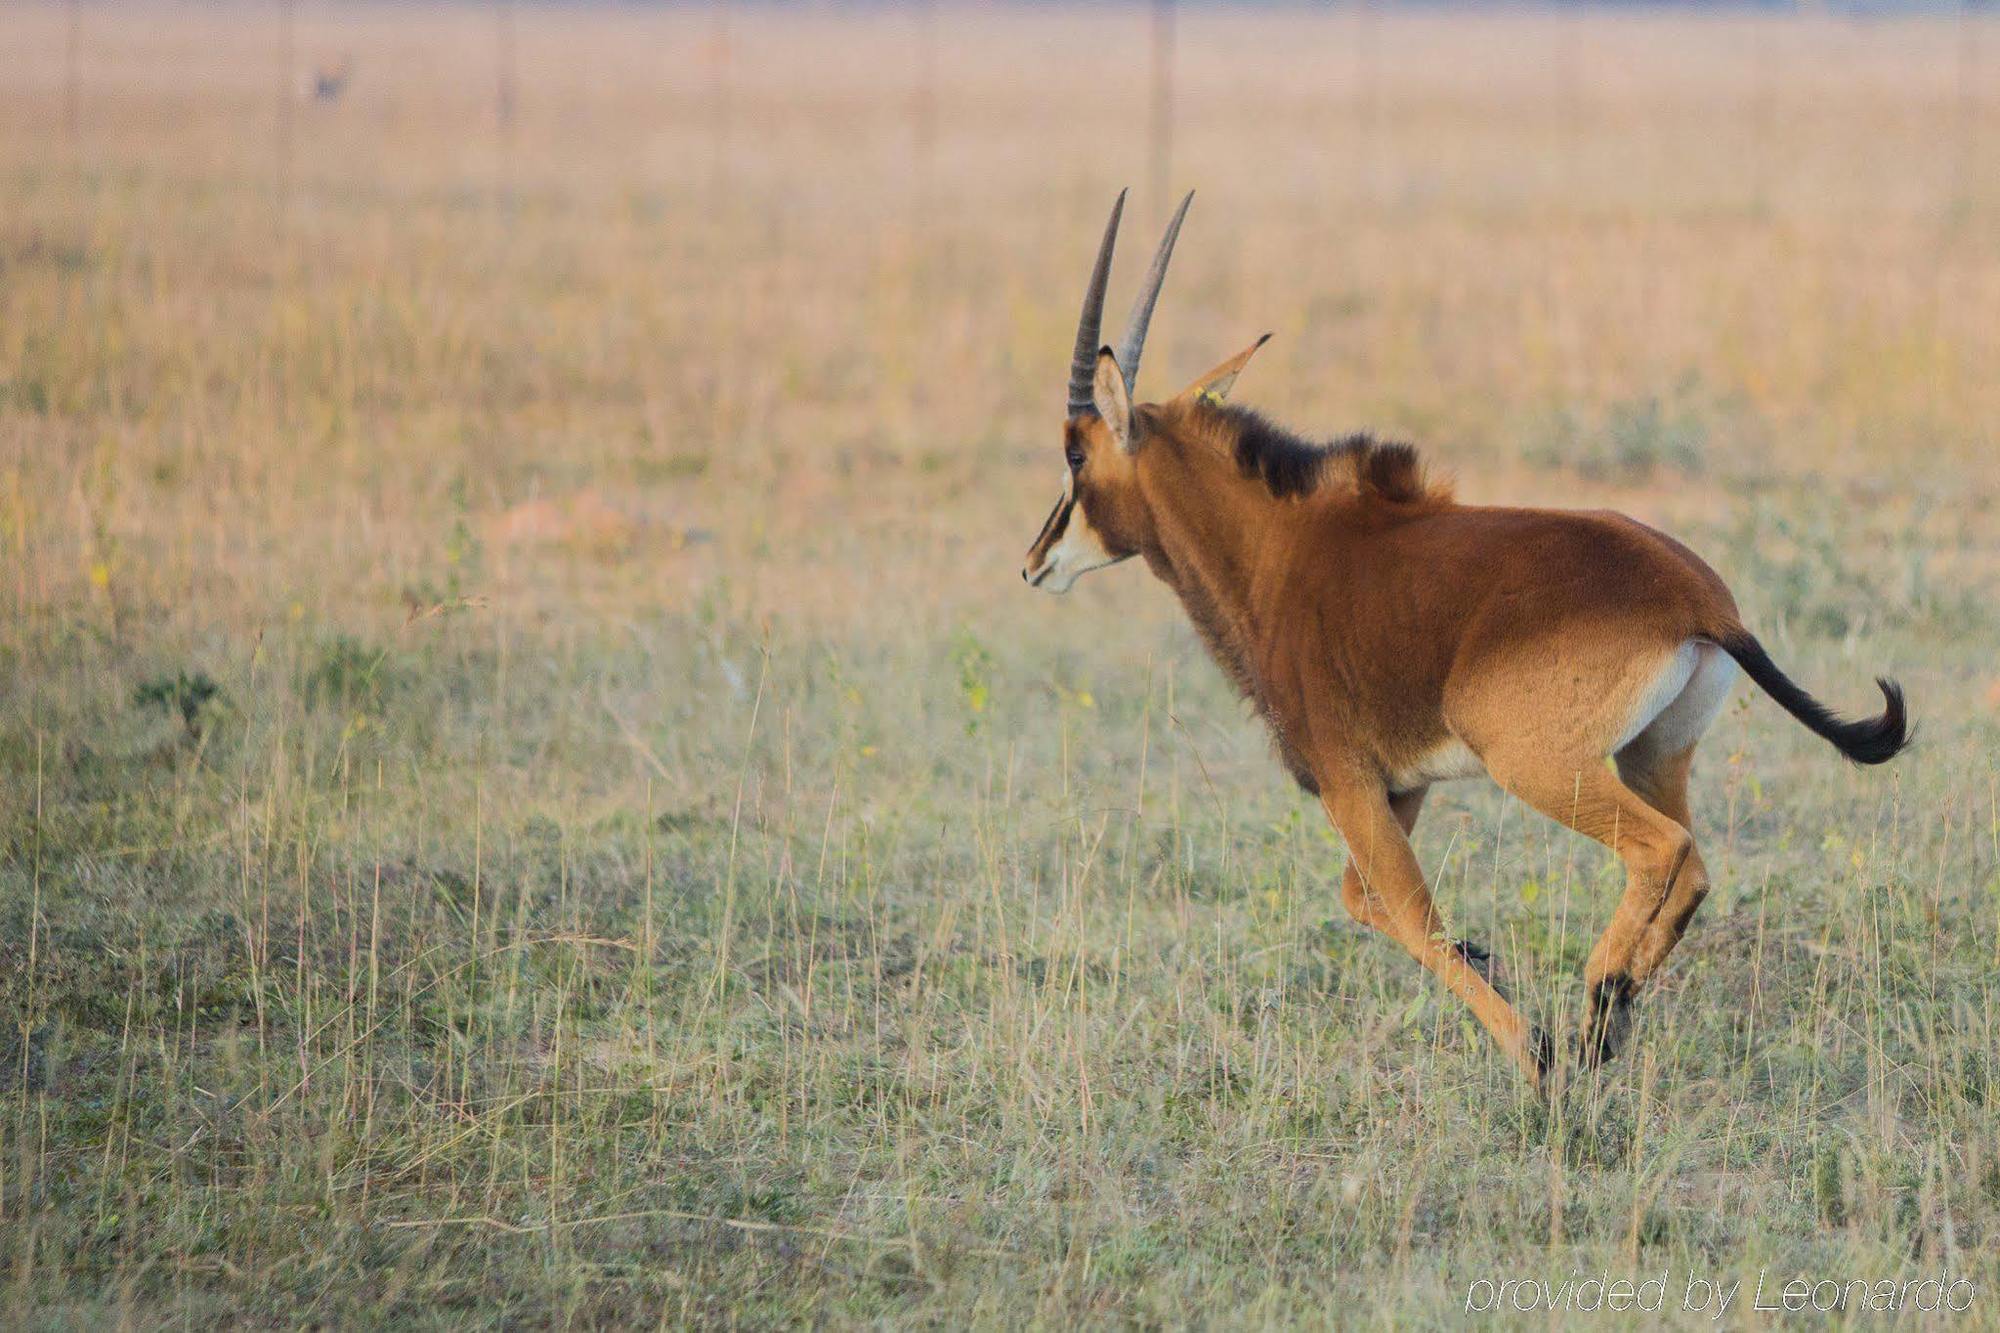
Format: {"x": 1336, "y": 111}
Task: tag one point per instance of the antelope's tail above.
{"x": 1873, "y": 740}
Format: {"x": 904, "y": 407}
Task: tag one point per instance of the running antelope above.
{"x": 1392, "y": 638}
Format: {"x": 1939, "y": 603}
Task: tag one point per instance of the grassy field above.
{"x": 531, "y": 791}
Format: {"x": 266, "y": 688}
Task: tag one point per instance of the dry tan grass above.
{"x": 648, "y": 857}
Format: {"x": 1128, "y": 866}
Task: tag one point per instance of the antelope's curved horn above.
{"x": 1134, "y": 341}
{"x": 1083, "y": 361}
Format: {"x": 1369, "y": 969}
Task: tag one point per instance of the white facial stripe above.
{"x": 1076, "y": 552}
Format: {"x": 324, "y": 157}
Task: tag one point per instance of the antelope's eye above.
{"x": 1075, "y": 457}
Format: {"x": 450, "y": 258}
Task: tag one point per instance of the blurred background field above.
{"x": 531, "y": 790}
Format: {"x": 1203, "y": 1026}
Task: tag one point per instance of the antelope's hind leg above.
{"x": 1662, "y": 780}
{"x": 1656, "y": 851}
{"x": 1561, "y": 772}
{"x": 1384, "y": 887}
{"x": 1656, "y": 764}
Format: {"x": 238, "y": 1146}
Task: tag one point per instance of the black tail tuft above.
{"x": 1872, "y": 740}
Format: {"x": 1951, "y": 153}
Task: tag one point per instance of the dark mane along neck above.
{"x": 1290, "y": 465}
{"x": 1213, "y": 534}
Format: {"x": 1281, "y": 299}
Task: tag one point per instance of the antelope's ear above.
{"x": 1214, "y": 386}
{"x": 1112, "y": 399}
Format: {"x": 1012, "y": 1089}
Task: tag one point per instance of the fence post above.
{"x": 506, "y": 96}
{"x": 924, "y": 104}
{"x": 1160, "y": 132}
{"x": 718, "y": 98}
{"x": 1965, "y": 177}
{"x": 287, "y": 91}
{"x": 73, "y": 77}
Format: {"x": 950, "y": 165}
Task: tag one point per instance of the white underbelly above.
{"x": 1447, "y": 761}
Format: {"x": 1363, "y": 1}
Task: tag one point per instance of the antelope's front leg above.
{"x": 1406, "y": 805}
{"x": 1399, "y": 904}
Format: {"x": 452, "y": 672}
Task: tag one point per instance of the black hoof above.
{"x": 1545, "y": 1054}
{"x": 1610, "y": 1020}
{"x": 1479, "y": 960}
{"x": 1475, "y": 956}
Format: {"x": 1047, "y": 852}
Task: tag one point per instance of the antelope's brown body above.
{"x": 1375, "y": 622}
{"x": 1394, "y": 638}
